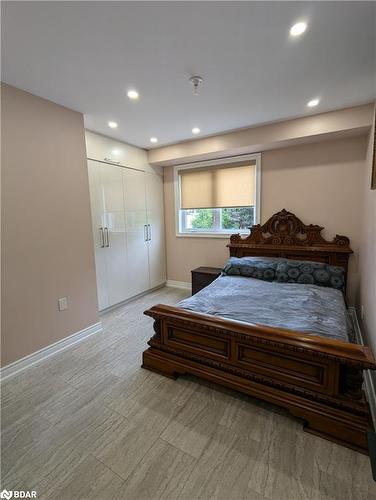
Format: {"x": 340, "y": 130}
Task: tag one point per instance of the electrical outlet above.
{"x": 362, "y": 312}
{"x": 62, "y": 304}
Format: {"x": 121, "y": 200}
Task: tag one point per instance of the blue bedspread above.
{"x": 304, "y": 308}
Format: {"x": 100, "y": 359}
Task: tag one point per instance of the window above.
{"x": 218, "y": 197}
{"x": 216, "y": 220}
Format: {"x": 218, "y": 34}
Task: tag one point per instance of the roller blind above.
{"x": 218, "y": 187}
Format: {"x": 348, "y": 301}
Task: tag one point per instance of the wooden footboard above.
{"x": 317, "y": 379}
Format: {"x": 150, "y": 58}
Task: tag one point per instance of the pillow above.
{"x": 314, "y": 273}
{"x": 262, "y": 268}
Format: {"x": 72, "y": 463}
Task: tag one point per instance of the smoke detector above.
{"x": 196, "y": 81}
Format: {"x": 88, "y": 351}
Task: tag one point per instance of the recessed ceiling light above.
{"x": 133, "y": 94}
{"x": 195, "y": 130}
{"x": 298, "y": 29}
{"x": 313, "y": 103}
{"x": 153, "y": 140}
{"x": 112, "y": 124}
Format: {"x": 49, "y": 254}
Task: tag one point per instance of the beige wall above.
{"x": 367, "y": 257}
{"x": 322, "y": 183}
{"x": 47, "y": 249}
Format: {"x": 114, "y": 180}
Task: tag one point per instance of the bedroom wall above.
{"x": 322, "y": 183}
{"x": 47, "y": 249}
{"x": 367, "y": 256}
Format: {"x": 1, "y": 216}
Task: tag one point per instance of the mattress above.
{"x": 304, "y": 308}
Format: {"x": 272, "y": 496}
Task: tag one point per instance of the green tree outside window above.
{"x": 222, "y": 219}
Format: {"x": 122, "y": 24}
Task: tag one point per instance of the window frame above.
{"x": 256, "y": 157}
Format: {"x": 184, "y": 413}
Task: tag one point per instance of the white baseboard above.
{"x": 369, "y": 376}
{"x": 38, "y": 356}
{"x": 179, "y": 284}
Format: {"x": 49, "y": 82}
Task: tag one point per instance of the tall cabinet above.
{"x": 128, "y": 220}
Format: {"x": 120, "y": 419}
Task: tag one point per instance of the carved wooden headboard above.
{"x": 284, "y": 235}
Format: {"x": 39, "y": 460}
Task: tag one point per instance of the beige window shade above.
{"x": 218, "y": 187}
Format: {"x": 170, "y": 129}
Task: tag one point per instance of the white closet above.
{"x": 155, "y": 220}
{"x": 128, "y": 228}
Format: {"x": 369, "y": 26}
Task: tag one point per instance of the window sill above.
{"x": 224, "y": 236}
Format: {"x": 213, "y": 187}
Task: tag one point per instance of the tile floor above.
{"x": 89, "y": 423}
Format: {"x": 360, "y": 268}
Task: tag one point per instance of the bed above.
{"x": 300, "y": 354}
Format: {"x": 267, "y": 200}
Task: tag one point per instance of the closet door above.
{"x": 96, "y": 201}
{"x": 114, "y": 238}
{"x": 156, "y": 236}
{"x": 136, "y": 231}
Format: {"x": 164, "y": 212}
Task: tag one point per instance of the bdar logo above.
{"x": 18, "y": 494}
{"x": 6, "y": 494}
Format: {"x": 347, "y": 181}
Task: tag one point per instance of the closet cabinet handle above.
{"x": 145, "y": 232}
{"x": 149, "y": 232}
{"x": 110, "y": 160}
{"x": 101, "y": 237}
{"x": 107, "y": 237}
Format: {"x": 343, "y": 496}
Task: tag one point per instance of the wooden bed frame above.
{"x": 315, "y": 378}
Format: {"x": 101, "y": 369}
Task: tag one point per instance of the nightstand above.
{"x": 203, "y": 276}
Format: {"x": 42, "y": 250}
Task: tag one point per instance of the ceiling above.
{"x": 86, "y": 55}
